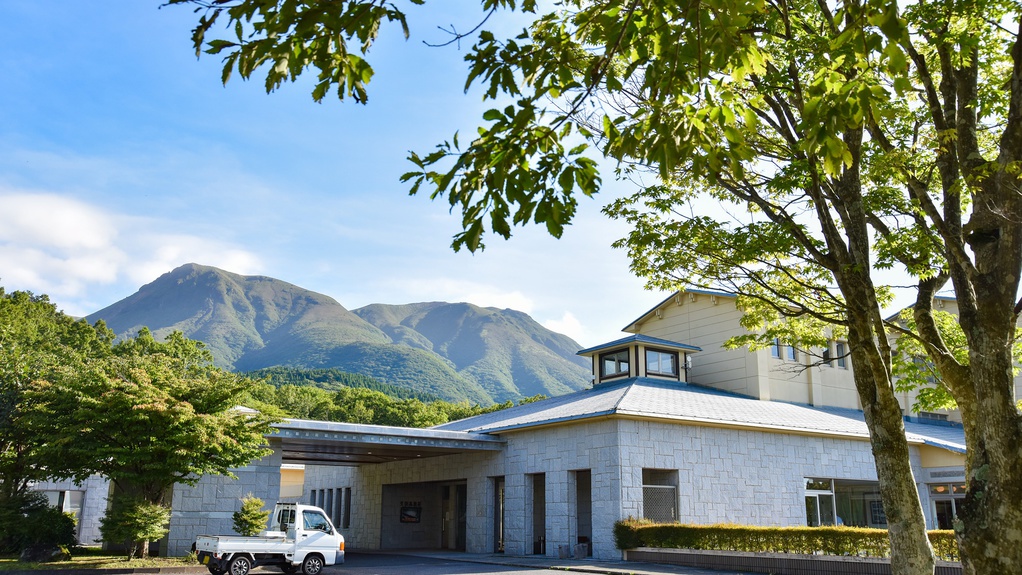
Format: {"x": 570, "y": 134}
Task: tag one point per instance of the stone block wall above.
{"x": 207, "y": 507}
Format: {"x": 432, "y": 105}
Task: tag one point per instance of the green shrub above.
{"x": 28, "y": 520}
{"x": 136, "y": 523}
{"x": 861, "y": 542}
{"x": 250, "y": 519}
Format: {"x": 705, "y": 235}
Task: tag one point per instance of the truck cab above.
{"x": 296, "y": 537}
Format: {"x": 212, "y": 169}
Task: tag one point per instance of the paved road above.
{"x": 372, "y": 564}
{"x": 440, "y": 563}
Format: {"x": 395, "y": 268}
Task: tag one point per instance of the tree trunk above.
{"x": 911, "y": 553}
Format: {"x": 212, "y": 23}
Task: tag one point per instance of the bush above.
{"x": 861, "y": 542}
{"x": 136, "y": 523}
{"x": 28, "y": 520}
{"x": 251, "y": 519}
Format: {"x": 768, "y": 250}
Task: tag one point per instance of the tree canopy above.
{"x": 793, "y": 149}
{"x": 35, "y": 340}
{"x": 151, "y": 415}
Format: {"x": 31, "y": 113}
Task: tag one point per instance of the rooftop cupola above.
{"x": 640, "y": 356}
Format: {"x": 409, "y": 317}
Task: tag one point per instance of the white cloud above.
{"x": 52, "y": 221}
{"x": 568, "y": 325}
{"x": 74, "y": 251}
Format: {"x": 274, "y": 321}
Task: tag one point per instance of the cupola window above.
{"x": 661, "y": 362}
{"x": 614, "y": 364}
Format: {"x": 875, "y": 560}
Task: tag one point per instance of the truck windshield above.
{"x": 315, "y": 521}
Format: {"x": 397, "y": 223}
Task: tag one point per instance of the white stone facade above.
{"x": 724, "y": 475}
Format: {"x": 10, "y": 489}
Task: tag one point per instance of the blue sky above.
{"x": 122, "y": 157}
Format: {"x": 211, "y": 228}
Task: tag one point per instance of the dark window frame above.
{"x": 626, "y": 353}
{"x": 673, "y": 354}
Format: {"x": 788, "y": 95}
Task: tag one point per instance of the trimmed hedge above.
{"x": 861, "y": 542}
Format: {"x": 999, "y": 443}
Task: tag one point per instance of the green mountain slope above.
{"x": 453, "y": 351}
{"x": 506, "y": 351}
{"x": 236, "y": 315}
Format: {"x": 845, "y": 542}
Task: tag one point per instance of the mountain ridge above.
{"x": 457, "y": 351}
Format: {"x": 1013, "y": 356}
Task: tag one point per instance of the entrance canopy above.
{"x": 331, "y": 443}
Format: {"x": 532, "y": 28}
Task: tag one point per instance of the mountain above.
{"x": 453, "y": 351}
{"x": 506, "y": 351}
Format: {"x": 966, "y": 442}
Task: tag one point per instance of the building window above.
{"x": 614, "y": 364}
{"x": 843, "y": 502}
{"x": 876, "y": 510}
{"x": 946, "y": 499}
{"x": 826, "y": 357}
{"x": 660, "y": 495}
{"x": 346, "y": 517}
{"x": 661, "y": 362}
{"x": 820, "y": 508}
{"x": 775, "y": 349}
{"x": 792, "y": 353}
{"x": 839, "y": 351}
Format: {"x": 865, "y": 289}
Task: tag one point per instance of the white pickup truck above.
{"x": 298, "y": 536}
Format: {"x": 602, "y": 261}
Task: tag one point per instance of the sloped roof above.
{"x": 667, "y": 400}
{"x": 644, "y": 339}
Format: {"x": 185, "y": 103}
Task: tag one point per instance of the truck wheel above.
{"x": 214, "y": 570}
{"x": 312, "y": 565}
{"x": 240, "y": 565}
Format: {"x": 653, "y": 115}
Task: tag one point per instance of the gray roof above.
{"x": 645, "y": 339}
{"x": 670, "y": 400}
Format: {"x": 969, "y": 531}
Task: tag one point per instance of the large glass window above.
{"x": 661, "y": 362}
{"x": 614, "y": 363}
{"x": 820, "y": 502}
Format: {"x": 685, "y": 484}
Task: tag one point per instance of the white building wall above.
{"x": 725, "y": 475}
{"x": 740, "y": 476}
{"x": 94, "y": 503}
{"x": 367, "y": 481}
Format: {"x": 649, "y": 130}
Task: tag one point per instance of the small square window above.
{"x": 792, "y": 353}
{"x": 661, "y": 362}
{"x": 775, "y": 349}
{"x": 839, "y": 351}
{"x": 614, "y": 364}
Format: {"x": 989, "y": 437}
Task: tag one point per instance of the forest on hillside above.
{"x": 335, "y": 395}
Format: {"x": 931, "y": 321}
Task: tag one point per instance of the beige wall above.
{"x": 931, "y": 457}
{"x": 292, "y": 478}
{"x": 708, "y": 321}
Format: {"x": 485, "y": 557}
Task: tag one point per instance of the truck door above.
{"x": 317, "y": 535}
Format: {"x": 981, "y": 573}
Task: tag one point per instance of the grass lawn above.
{"x": 97, "y": 559}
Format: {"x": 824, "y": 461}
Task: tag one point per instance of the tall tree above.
{"x": 151, "y": 415}
{"x": 35, "y": 338}
{"x": 838, "y": 137}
